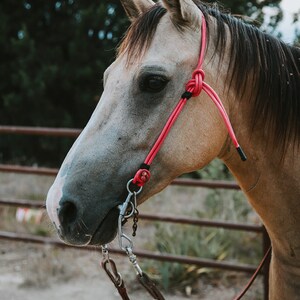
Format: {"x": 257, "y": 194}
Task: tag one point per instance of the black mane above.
{"x": 266, "y": 64}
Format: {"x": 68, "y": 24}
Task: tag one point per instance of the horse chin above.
{"x": 107, "y": 229}
{"x": 104, "y": 233}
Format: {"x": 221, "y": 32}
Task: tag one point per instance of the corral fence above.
{"x": 208, "y": 263}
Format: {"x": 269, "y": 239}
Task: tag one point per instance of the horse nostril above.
{"x": 67, "y": 213}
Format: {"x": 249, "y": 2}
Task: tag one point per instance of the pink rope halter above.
{"x": 193, "y": 89}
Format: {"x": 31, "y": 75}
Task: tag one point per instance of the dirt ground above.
{"x": 30, "y": 272}
{"x": 45, "y": 272}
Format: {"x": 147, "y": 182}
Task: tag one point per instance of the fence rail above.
{"x": 41, "y": 131}
{"x": 214, "y": 184}
{"x": 203, "y": 263}
{"x": 66, "y": 132}
{"x": 141, "y": 253}
{"x": 150, "y": 217}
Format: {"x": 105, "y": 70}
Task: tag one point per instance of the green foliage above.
{"x": 217, "y": 244}
{"x": 53, "y": 54}
{"x": 211, "y": 243}
{"x": 296, "y": 18}
{"x": 253, "y": 9}
{"x": 215, "y": 170}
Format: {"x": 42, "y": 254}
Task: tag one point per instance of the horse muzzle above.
{"x": 76, "y": 228}
{"x": 81, "y": 222}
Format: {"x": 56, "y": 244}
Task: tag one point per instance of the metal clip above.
{"x": 105, "y": 253}
{"x": 110, "y": 268}
{"x": 124, "y": 241}
{"x": 128, "y": 187}
{"x": 132, "y": 259}
{"x": 130, "y": 200}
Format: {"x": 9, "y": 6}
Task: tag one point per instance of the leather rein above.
{"x": 134, "y": 186}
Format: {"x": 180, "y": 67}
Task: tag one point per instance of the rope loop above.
{"x": 141, "y": 177}
{"x": 195, "y": 84}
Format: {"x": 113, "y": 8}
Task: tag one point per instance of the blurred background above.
{"x": 53, "y": 55}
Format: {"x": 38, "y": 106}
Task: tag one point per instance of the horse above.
{"x": 256, "y": 75}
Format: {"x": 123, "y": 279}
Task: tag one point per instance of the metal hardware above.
{"x": 111, "y": 270}
{"x": 132, "y": 259}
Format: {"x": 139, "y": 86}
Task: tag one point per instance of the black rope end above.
{"x": 145, "y": 166}
{"x": 241, "y": 153}
{"x": 186, "y": 95}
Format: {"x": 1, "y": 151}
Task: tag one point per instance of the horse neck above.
{"x": 272, "y": 186}
{"x": 270, "y": 182}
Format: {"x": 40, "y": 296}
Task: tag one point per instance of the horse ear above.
{"x": 134, "y": 8}
{"x": 183, "y": 12}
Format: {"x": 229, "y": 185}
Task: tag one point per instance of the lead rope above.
{"x": 251, "y": 280}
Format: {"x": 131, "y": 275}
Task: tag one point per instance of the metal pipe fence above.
{"x": 142, "y": 253}
{"x": 65, "y": 132}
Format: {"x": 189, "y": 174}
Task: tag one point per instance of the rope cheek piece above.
{"x": 134, "y": 186}
{"x": 193, "y": 89}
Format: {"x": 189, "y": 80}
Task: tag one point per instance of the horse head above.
{"x": 141, "y": 87}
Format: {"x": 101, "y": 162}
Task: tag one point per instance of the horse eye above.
{"x": 153, "y": 83}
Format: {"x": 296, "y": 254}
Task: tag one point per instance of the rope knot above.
{"x": 141, "y": 177}
{"x": 195, "y": 84}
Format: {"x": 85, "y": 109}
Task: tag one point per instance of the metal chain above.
{"x": 135, "y": 222}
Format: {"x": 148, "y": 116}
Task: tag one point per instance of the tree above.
{"x": 53, "y": 54}
{"x": 296, "y": 19}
